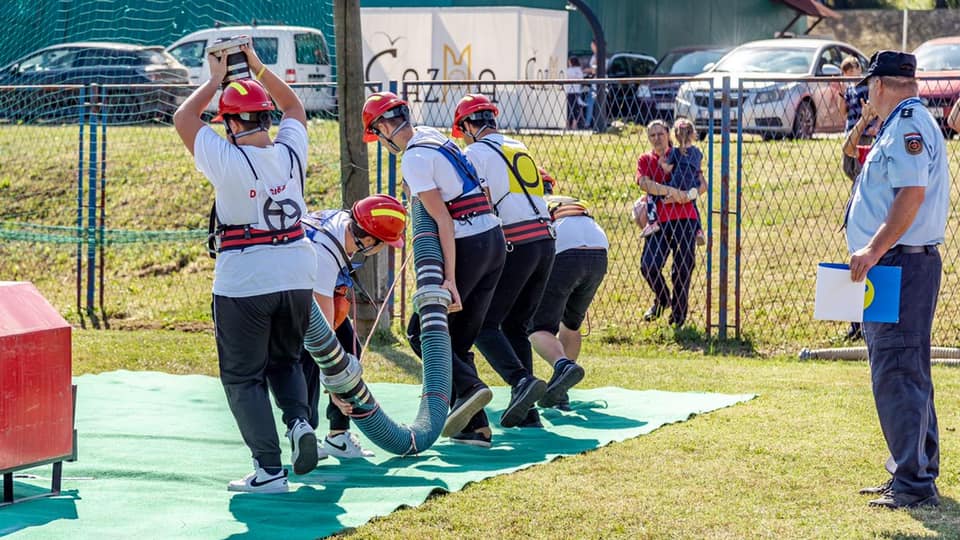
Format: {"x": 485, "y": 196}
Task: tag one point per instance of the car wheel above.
{"x": 804, "y": 121}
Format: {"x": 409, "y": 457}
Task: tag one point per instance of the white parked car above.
{"x": 297, "y": 54}
{"x": 781, "y": 102}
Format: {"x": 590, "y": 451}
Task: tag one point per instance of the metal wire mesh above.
{"x": 787, "y": 197}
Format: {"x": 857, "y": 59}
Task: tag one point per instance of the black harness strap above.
{"x": 215, "y": 228}
{"x": 516, "y": 173}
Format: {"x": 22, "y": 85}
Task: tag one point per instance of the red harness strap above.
{"x": 524, "y": 232}
{"x": 467, "y": 206}
{"x": 568, "y": 210}
{"x": 239, "y": 237}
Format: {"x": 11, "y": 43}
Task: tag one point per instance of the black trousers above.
{"x": 679, "y": 238}
{"x": 900, "y": 373}
{"x": 258, "y": 344}
{"x": 480, "y": 260}
{"x": 503, "y": 336}
{"x": 311, "y": 373}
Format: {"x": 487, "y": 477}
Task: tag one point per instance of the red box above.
{"x": 36, "y": 399}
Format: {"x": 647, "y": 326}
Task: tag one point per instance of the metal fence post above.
{"x": 724, "y": 205}
{"x": 80, "y": 176}
{"x": 92, "y": 205}
{"x": 392, "y": 86}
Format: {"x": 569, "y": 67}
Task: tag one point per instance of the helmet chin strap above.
{"x": 389, "y": 138}
{"x": 234, "y": 136}
{"x": 476, "y": 135}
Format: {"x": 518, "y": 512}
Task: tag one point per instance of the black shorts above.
{"x": 574, "y": 280}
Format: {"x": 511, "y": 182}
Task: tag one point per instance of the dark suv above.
{"x": 116, "y": 64}
{"x": 656, "y": 100}
{"x": 622, "y": 98}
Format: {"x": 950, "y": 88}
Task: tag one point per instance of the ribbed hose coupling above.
{"x": 429, "y": 295}
{"x": 345, "y": 380}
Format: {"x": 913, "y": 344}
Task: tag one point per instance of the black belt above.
{"x": 912, "y": 249}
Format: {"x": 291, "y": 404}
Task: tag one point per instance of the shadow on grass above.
{"x": 391, "y": 349}
{"x": 941, "y": 520}
{"x": 688, "y": 338}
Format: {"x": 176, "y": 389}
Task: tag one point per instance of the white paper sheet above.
{"x": 838, "y": 298}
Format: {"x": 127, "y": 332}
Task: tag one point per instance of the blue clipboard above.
{"x": 881, "y": 300}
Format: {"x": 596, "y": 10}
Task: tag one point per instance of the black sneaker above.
{"x": 472, "y": 438}
{"x": 894, "y": 500}
{"x": 522, "y": 397}
{"x": 565, "y": 375}
{"x": 653, "y": 313}
{"x": 532, "y": 420}
{"x": 882, "y": 489}
{"x": 464, "y": 408}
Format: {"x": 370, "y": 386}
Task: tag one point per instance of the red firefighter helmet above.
{"x": 383, "y": 217}
{"x": 377, "y": 106}
{"x": 243, "y": 96}
{"x": 549, "y": 184}
{"x": 470, "y": 104}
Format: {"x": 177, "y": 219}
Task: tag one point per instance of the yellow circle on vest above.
{"x": 869, "y": 294}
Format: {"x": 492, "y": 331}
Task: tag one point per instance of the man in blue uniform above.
{"x": 897, "y": 217}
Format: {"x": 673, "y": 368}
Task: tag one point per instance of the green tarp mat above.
{"x": 156, "y": 452}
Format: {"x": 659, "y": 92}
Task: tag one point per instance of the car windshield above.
{"x": 687, "y": 63}
{"x": 768, "y": 60}
{"x": 943, "y": 57}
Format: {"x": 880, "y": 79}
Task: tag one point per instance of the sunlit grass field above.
{"x": 791, "y": 207}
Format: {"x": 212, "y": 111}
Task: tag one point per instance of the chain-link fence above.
{"x": 93, "y": 180}
{"x": 104, "y": 210}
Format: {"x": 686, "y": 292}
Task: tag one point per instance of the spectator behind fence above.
{"x": 678, "y": 229}
{"x": 852, "y": 109}
{"x": 684, "y": 165}
{"x": 896, "y": 218}
{"x": 265, "y": 265}
{"x": 590, "y": 91}
{"x": 953, "y": 119}
{"x": 574, "y": 107}
{"x": 860, "y": 128}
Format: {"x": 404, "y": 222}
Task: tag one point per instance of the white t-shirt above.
{"x": 579, "y": 232}
{"x": 258, "y": 269}
{"x": 510, "y": 206}
{"x": 424, "y": 169}
{"x": 329, "y": 259}
{"x": 573, "y": 72}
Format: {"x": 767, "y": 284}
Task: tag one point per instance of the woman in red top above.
{"x": 677, "y": 234}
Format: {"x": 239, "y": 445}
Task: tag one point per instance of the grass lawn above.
{"x": 785, "y": 465}
{"x": 793, "y": 198}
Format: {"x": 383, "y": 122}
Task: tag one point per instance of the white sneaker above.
{"x": 345, "y": 446}
{"x": 303, "y": 447}
{"x": 260, "y": 481}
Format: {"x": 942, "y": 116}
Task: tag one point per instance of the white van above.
{"x": 298, "y": 54}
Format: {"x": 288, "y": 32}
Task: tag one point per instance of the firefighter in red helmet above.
{"x": 265, "y": 267}
{"x": 516, "y": 188}
{"x": 338, "y": 235}
{"x": 439, "y": 175}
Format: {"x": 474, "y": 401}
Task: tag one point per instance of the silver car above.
{"x": 777, "y": 100}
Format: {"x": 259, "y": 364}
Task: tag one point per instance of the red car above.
{"x": 938, "y": 68}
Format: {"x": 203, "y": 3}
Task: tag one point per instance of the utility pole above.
{"x": 354, "y": 172}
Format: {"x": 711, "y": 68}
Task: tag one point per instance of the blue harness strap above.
{"x": 465, "y": 170}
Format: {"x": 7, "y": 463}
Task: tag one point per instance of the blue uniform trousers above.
{"x": 900, "y": 373}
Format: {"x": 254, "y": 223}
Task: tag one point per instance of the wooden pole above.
{"x": 354, "y": 163}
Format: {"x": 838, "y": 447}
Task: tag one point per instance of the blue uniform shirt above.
{"x": 909, "y": 152}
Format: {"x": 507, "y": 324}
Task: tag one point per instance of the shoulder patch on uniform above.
{"x": 913, "y": 142}
{"x": 906, "y": 113}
